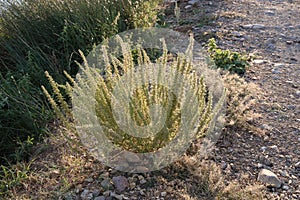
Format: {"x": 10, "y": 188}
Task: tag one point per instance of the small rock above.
{"x": 247, "y": 26}
{"x": 100, "y": 198}
{"x": 268, "y": 177}
{"x": 263, "y": 148}
{"x": 260, "y": 165}
{"x": 141, "y": 169}
{"x": 86, "y": 195}
{"x": 299, "y": 137}
{"x": 96, "y": 193}
{"x": 237, "y": 34}
{"x": 283, "y": 173}
{"x": 269, "y": 12}
{"x": 297, "y": 93}
{"x": 285, "y": 187}
{"x": 188, "y": 6}
{"x": 118, "y": 197}
{"x": 121, "y": 183}
{"x": 259, "y": 61}
{"x": 276, "y": 71}
{"x": 193, "y": 2}
{"x": 106, "y": 184}
{"x": 266, "y": 127}
{"x": 297, "y": 165}
{"x": 275, "y": 148}
{"x": 89, "y": 180}
{"x": 223, "y": 165}
{"x": 258, "y": 26}
{"x": 163, "y": 194}
{"x": 289, "y": 42}
{"x": 143, "y": 181}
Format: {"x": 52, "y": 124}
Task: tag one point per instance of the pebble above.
{"x": 279, "y": 65}
{"x": 247, "y": 26}
{"x": 121, "y": 183}
{"x": 86, "y": 195}
{"x": 141, "y": 169}
{"x": 193, "y": 2}
{"x": 163, "y": 194}
{"x": 106, "y": 184}
{"x": 266, "y": 127}
{"x": 96, "y": 193}
{"x": 100, "y": 198}
{"x": 116, "y": 196}
{"x": 258, "y": 26}
{"x": 298, "y": 93}
{"x": 223, "y": 165}
{"x": 260, "y": 165}
{"x": 259, "y": 61}
{"x": 237, "y": 34}
{"x": 188, "y": 6}
{"x": 89, "y": 180}
{"x": 263, "y": 148}
{"x": 274, "y": 147}
{"x": 285, "y": 187}
{"x": 276, "y": 71}
{"x": 283, "y": 173}
{"x": 269, "y": 12}
{"x": 297, "y": 165}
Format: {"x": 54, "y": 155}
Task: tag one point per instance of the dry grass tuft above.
{"x": 241, "y": 98}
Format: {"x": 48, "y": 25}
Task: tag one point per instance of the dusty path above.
{"x": 270, "y": 30}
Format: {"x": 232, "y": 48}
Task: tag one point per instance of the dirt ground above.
{"x": 271, "y": 31}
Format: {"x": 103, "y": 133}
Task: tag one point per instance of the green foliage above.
{"x": 23, "y": 115}
{"x": 38, "y": 36}
{"x": 226, "y": 59}
{"x": 12, "y": 176}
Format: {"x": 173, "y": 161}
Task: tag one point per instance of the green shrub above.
{"x": 40, "y": 35}
{"x": 226, "y": 59}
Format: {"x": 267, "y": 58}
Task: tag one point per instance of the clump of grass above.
{"x": 241, "y": 98}
{"x": 206, "y": 181}
{"x": 23, "y": 116}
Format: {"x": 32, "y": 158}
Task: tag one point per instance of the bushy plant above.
{"x": 226, "y": 59}
{"x": 141, "y": 100}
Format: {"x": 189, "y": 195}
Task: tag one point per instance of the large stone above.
{"x": 269, "y": 178}
{"x": 121, "y": 183}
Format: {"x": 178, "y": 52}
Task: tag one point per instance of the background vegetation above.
{"x": 40, "y": 35}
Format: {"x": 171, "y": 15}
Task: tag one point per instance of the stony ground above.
{"x": 271, "y": 31}
{"x": 268, "y": 29}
